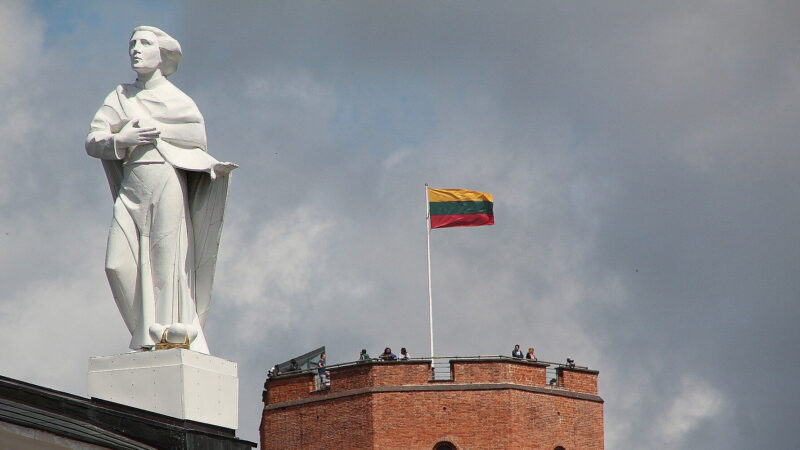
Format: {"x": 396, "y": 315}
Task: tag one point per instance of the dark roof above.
{"x": 105, "y": 423}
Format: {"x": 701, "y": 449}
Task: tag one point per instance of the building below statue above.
{"x": 480, "y": 402}
{"x": 179, "y": 383}
{"x": 35, "y": 417}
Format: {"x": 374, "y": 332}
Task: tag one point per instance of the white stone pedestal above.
{"x": 177, "y": 382}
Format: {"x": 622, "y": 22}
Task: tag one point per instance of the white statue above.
{"x": 169, "y": 199}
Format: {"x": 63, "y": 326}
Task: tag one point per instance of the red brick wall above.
{"x": 418, "y": 420}
{"x": 339, "y": 423}
{"x": 394, "y": 406}
{"x": 401, "y": 373}
{"x": 544, "y": 421}
{"x": 499, "y": 372}
{"x": 283, "y": 389}
{"x": 380, "y": 374}
{"x": 577, "y": 380}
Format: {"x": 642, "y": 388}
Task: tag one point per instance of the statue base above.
{"x": 176, "y": 382}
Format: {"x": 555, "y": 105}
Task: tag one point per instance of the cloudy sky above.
{"x": 642, "y": 156}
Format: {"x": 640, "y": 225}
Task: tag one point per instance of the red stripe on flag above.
{"x": 461, "y": 220}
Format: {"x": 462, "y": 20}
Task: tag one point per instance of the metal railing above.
{"x": 321, "y": 383}
{"x": 441, "y": 371}
{"x": 441, "y": 367}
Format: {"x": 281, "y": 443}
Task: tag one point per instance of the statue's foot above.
{"x": 157, "y": 332}
{"x": 180, "y": 333}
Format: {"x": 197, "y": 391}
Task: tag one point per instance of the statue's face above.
{"x": 144, "y": 51}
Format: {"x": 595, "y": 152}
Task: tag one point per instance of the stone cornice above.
{"x": 321, "y": 396}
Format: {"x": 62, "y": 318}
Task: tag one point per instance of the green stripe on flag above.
{"x": 451, "y": 208}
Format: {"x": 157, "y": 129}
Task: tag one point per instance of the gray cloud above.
{"x": 641, "y": 158}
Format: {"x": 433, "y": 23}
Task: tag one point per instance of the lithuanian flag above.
{"x": 460, "y": 208}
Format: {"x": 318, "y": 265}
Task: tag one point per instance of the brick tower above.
{"x": 487, "y": 403}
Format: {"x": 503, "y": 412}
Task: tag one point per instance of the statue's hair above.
{"x": 170, "y": 49}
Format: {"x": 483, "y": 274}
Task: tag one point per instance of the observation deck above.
{"x": 465, "y": 402}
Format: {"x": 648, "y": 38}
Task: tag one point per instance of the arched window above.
{"x": 444, "y": 445}
{"x": 559, "y": 448}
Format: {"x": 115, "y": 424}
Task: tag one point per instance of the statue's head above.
{"x": 151, "y": 49}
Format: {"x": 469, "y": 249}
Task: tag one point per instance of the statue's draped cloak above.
{"x": 182, "y": 144}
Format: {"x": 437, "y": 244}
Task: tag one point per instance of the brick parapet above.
{"x": 521, "y": 372}
{"x": 379, "y": 373}
{"x": 577, "y": 379}
{"x": 291, "y": 387}
{"x": 323, "y": 396}
{"x": 374, "y": 373}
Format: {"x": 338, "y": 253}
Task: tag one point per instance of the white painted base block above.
{"x": 177, "y": 382}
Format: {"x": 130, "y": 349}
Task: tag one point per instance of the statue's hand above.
{"x": 222, "y": 169}
{"x": 131, "y": 135}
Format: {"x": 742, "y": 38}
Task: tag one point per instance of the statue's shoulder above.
{"x": 179, "y": 99}
{"x": 113, "y": 97}
{"x": 176, "y": 92}
{"x": 124, "y": 89}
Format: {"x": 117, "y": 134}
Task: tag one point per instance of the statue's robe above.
{"x": 174, "y": 189}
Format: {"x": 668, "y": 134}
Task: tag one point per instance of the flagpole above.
{"x": 428, "y": 239}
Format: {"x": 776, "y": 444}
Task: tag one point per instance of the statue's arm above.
{"x": 111, "y": 135}
{"x": 101, "y": 142}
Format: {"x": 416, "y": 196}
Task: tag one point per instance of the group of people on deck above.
{"x": 387, "y": 355}
{"x": 517, "y": 353}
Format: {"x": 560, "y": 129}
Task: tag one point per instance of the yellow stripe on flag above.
{"x": 457, "y": 195}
